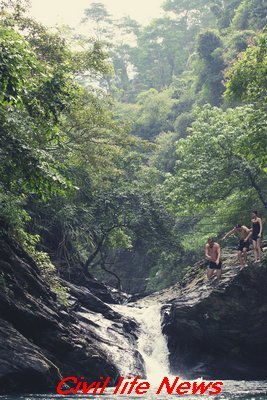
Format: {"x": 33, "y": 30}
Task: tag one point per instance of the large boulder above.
{"x": 41, "y": 340}
{"x": 219, "y": 330}
{"x": 23, "y": 365}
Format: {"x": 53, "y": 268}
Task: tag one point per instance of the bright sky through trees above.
{"x": 51, "y": 12}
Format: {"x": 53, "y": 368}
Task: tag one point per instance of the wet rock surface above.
{"x": 214, "y": 330}
{"x": 219, "y": 330}
{"x": 42, "y": 341}
{"x": 22, "y": 363}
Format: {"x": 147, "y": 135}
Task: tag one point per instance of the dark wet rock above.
{"x": 87, "y": 299}
{"x": 137, "y": 296}
{"x": 22, "y": 365}
{"x": 41, "y": 340}
{"x": 103, "y": 292}
{"x": 219, "y": 330}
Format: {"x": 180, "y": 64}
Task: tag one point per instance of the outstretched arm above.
{"x": 229, "y": 233}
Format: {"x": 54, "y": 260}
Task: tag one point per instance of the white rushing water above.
{"x": 152, "y": 344}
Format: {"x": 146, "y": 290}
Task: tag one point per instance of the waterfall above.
{"x": 121, "y": 346}
{"x": 152, "y": 344}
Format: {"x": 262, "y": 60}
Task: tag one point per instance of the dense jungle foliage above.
{"x": 122, "y": 150}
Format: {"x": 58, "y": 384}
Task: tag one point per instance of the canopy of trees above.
{"x": 125, "y": 151}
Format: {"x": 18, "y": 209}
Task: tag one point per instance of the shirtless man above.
{"x": 243, "y": 245}
{"x": 213, "y": 254}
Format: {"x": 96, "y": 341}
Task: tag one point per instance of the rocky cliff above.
{"x": 219, "y": 330}
{"x": 42, "y": 341}
{"x": 214, "y": 330}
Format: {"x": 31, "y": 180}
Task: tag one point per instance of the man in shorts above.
{"x": 213, "y": 254}
{"x": 243, "y": 245}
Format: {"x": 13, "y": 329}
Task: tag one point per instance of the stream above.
{"x": 153, "y": 349}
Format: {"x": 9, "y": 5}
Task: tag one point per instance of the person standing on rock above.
{"x": 255, "y": 233}
{"x": 243, "y": 245}
{"x": 213, "y": 254}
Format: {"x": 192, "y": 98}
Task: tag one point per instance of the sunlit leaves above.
{"x": 17, "y": 66}
{"x": 247, "y": 81}
{"x": 215, "y": 159}
{"x": 247, "y": 78}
